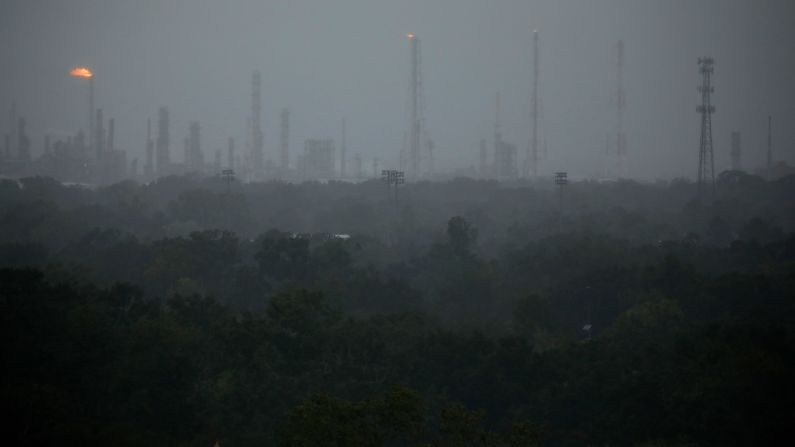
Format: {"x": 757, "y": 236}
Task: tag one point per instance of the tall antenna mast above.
{"x": 621, "y": 137}
{"x": 415, "y": 125}
{"x": 706, "y": 160}
{"x": 532, "y": 157}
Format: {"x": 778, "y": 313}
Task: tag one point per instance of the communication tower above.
{"x": 621, "y": 136}
{"x": 706, "y": 159}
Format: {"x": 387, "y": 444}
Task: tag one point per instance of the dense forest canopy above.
{"x": 189, "y": 311}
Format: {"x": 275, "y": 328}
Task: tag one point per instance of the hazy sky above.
{"x": 325, "y": 59}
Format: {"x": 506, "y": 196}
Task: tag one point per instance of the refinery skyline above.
{"x": 351, "y": 60}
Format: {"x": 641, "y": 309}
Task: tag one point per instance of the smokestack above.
{"x": 91, "y": 135}
{"x": 99, "y": 138}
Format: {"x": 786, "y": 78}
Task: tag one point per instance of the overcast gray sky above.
{"x": 327, "y": 59}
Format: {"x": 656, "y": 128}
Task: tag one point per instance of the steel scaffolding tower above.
{"x": 532, "y": 156}
{"x": 621, "y": 136}
{"x": 415, "y": 125}
{"x": 706, "y": 159}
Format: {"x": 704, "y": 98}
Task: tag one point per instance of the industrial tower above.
{"x": 484, "y": 170}
{"x": 621, "y": 136}
{"x": 13, "y": 126}
{"x": 343, "y": 148}
{"x": 285, "y": 139}
{"x": 415, "y": 121}
{"x": 162, "y": 155}
{"x": 532, "y": 156}
{"x": 194, "y": 157}
{"x": 769, "y": 147}
{"x": 99, "y": 137}
{"x": 256, "y": 122}
{"x": 230, "y": 153}
{"x": 497, "y": 135}
{"x": 706, "y": 159}
{"x": 149, "y": 168}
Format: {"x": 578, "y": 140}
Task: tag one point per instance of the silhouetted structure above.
{"x": 736, "y": 151}
{"x": 706, "y": 159}
{"x": 230, "y": 153}
{"x": 11, "y": 149}
{"x": 343, "y": 148}
{"x": 162, "y": 152}
{"x": 194, "y": 157}
{"x": 357, "y": 166}
{"x": 505, "y": 161}
{"x": 318, "y": 159}
{"x": 23, "y": 141}
{"x": 99, "y": 138}
{"x": 769, "y": 147}
{"x": 285, "y": 140}
{"x": 505, "y": 155}
{"x": 531, "y": 160}
{"x": 149, "y": 168}
{"x": 256, "y": 124}
{"x": 415, "y": 122}
{"x": 484, "y": 164}
{"x": 497, "y": 135}
{"x": 621, "y": 136}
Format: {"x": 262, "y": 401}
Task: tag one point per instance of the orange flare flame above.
{"x": 81, "y": 72}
